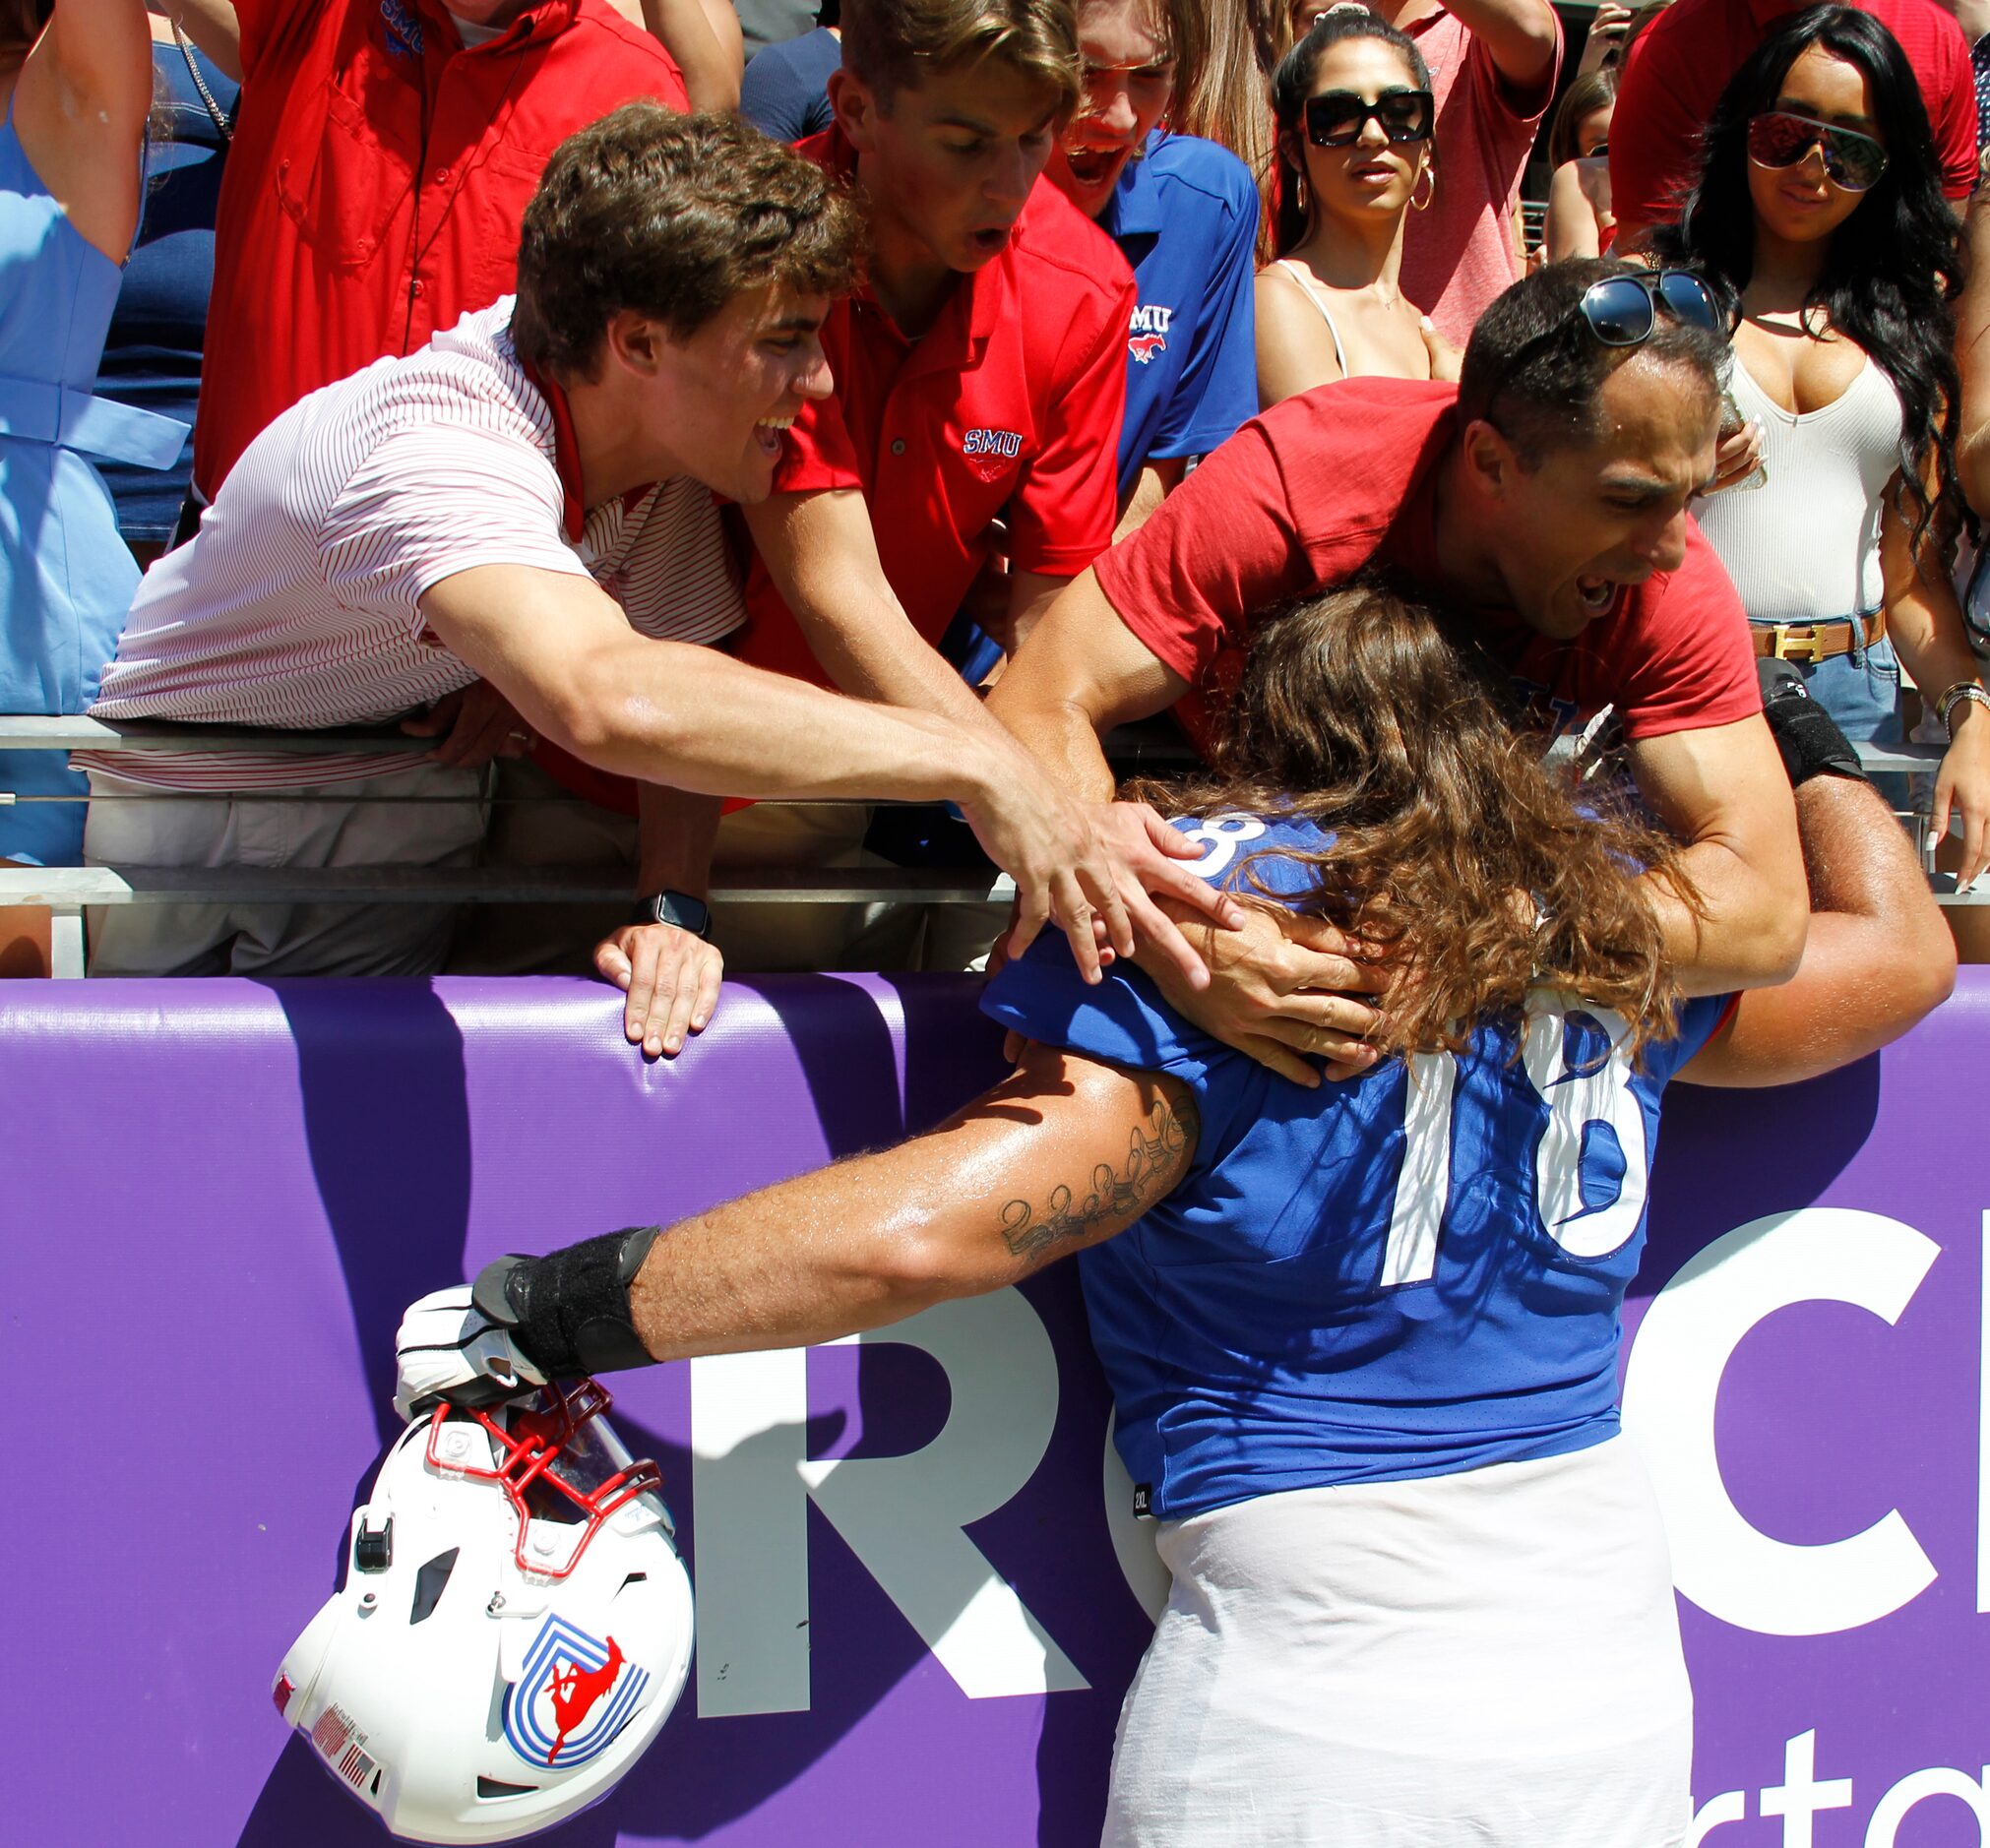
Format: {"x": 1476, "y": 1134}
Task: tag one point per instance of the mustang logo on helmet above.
{"x": 572, "y": 1696}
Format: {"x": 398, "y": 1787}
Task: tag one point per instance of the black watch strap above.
{"x": 675, "y": 908}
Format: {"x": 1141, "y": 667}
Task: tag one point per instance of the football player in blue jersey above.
{"x": 1362, "y": 1340}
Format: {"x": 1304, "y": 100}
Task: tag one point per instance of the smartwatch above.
{"x": 675, "y": 908}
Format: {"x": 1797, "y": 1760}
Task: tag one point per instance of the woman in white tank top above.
{"x": 1819, "y": 212}
{"x": 1354, "y": 118}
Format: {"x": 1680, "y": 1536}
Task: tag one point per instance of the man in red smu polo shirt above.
{"x": 383, "y": 156}
{"x": 1682, "y": 62}
{"x": 981, "y": 375}
{"x": 1544, "y": 500}
{"x": 980, "y": 378}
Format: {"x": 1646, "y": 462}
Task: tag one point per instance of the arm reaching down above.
{"x": 560, "y": 649}
{"x": 1070, "y": 861}
{"x": 1065, "y": 1152}
{"x": 670, "y": 976}
{"x": 1878, "y": 956}
{"x": 1083, "y": 672}
{"x": 1723, "y": 791}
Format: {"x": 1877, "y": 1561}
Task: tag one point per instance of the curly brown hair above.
{"x": 1461, "y": 855}
{"x": 672, "y": 216}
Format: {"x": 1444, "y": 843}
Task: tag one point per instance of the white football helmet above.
{"x": 514, "y": 1629}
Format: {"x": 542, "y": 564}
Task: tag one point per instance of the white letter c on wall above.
{"x": 1730, "y": 1568}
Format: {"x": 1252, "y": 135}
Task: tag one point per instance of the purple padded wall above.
{"x": 916, "y": 1619}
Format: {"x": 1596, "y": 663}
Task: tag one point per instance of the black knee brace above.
{"x": 569, "y": 1311}
{"x": 1809, "y": 738}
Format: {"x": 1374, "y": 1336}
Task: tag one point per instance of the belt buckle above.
{"x": 1788, "y": 647}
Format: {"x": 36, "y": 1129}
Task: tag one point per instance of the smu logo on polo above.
{"x": 990, "y": 452}
{"x": 404, "y": 30}
{"x": 1147, "y": 333}
{"x": 572, "y": 1696}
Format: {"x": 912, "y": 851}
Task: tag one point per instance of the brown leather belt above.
{"x": 1815, "y": 641}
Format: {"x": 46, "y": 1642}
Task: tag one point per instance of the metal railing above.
{"x": 66, "y": 891}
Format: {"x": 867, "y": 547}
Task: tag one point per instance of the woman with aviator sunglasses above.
{"x": 1819, "y": 215}
{"x": 1355, "y": 117}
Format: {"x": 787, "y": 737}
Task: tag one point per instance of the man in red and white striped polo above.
{"x": 528, "y": 499}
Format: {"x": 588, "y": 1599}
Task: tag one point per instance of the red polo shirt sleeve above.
{"x": 1690, "y": 665}
{"x": 1066, "y": 504}
{"x": 1223, "y": 544}
{"x": 1653, "y": 129}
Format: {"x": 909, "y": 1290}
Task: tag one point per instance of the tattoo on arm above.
{"x": 1154, "y": 1158}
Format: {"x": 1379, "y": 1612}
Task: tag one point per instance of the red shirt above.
{"x": 1458, "y": 252}
{"x": 1342, "y": 478}
{"x": 1681, "y": 64}
{"x": 1007, "y": 407}
{"x": 377, "y": 181}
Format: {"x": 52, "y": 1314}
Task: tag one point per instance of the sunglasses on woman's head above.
{"x": 1778, "y": 138}
{"x": 1336, "y": 117}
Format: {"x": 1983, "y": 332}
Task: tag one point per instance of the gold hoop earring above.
{"x": 1430, "y": 174}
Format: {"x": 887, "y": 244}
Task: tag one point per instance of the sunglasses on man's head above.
{"x": 1336, "y": 117}
{"x": 1853, "y": 162}
{"x": 1622, "y": 310}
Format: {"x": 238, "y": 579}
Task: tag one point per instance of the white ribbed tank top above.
{"x": 1805, "y": 547}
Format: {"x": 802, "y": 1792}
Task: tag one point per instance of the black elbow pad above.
{"x": 1809, "y": 738}
{"x": 569, "y": 1311}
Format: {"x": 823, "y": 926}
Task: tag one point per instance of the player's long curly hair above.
{"x": 1456, "y": 850}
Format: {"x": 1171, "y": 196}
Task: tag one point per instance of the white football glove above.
{"x": 448, "y": 1348}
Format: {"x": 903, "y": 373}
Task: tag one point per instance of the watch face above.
{"x": 678, "y": 908}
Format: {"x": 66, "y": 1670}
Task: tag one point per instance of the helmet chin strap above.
{"x": 569, "y": 1311}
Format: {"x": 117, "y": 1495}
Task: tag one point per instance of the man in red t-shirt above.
{"x": 1544, "y": 497}
{"x": 1682, "y": 62}
{"x": 384, "y": 153}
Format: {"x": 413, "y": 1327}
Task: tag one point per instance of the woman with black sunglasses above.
{"x": 1356, "y": 153}
{"x": 1819, "y": 215}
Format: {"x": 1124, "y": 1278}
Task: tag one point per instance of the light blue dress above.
{"x": 66, "y": 577}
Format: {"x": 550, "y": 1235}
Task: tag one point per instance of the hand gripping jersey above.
{"x": 1411, "y": 1273}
